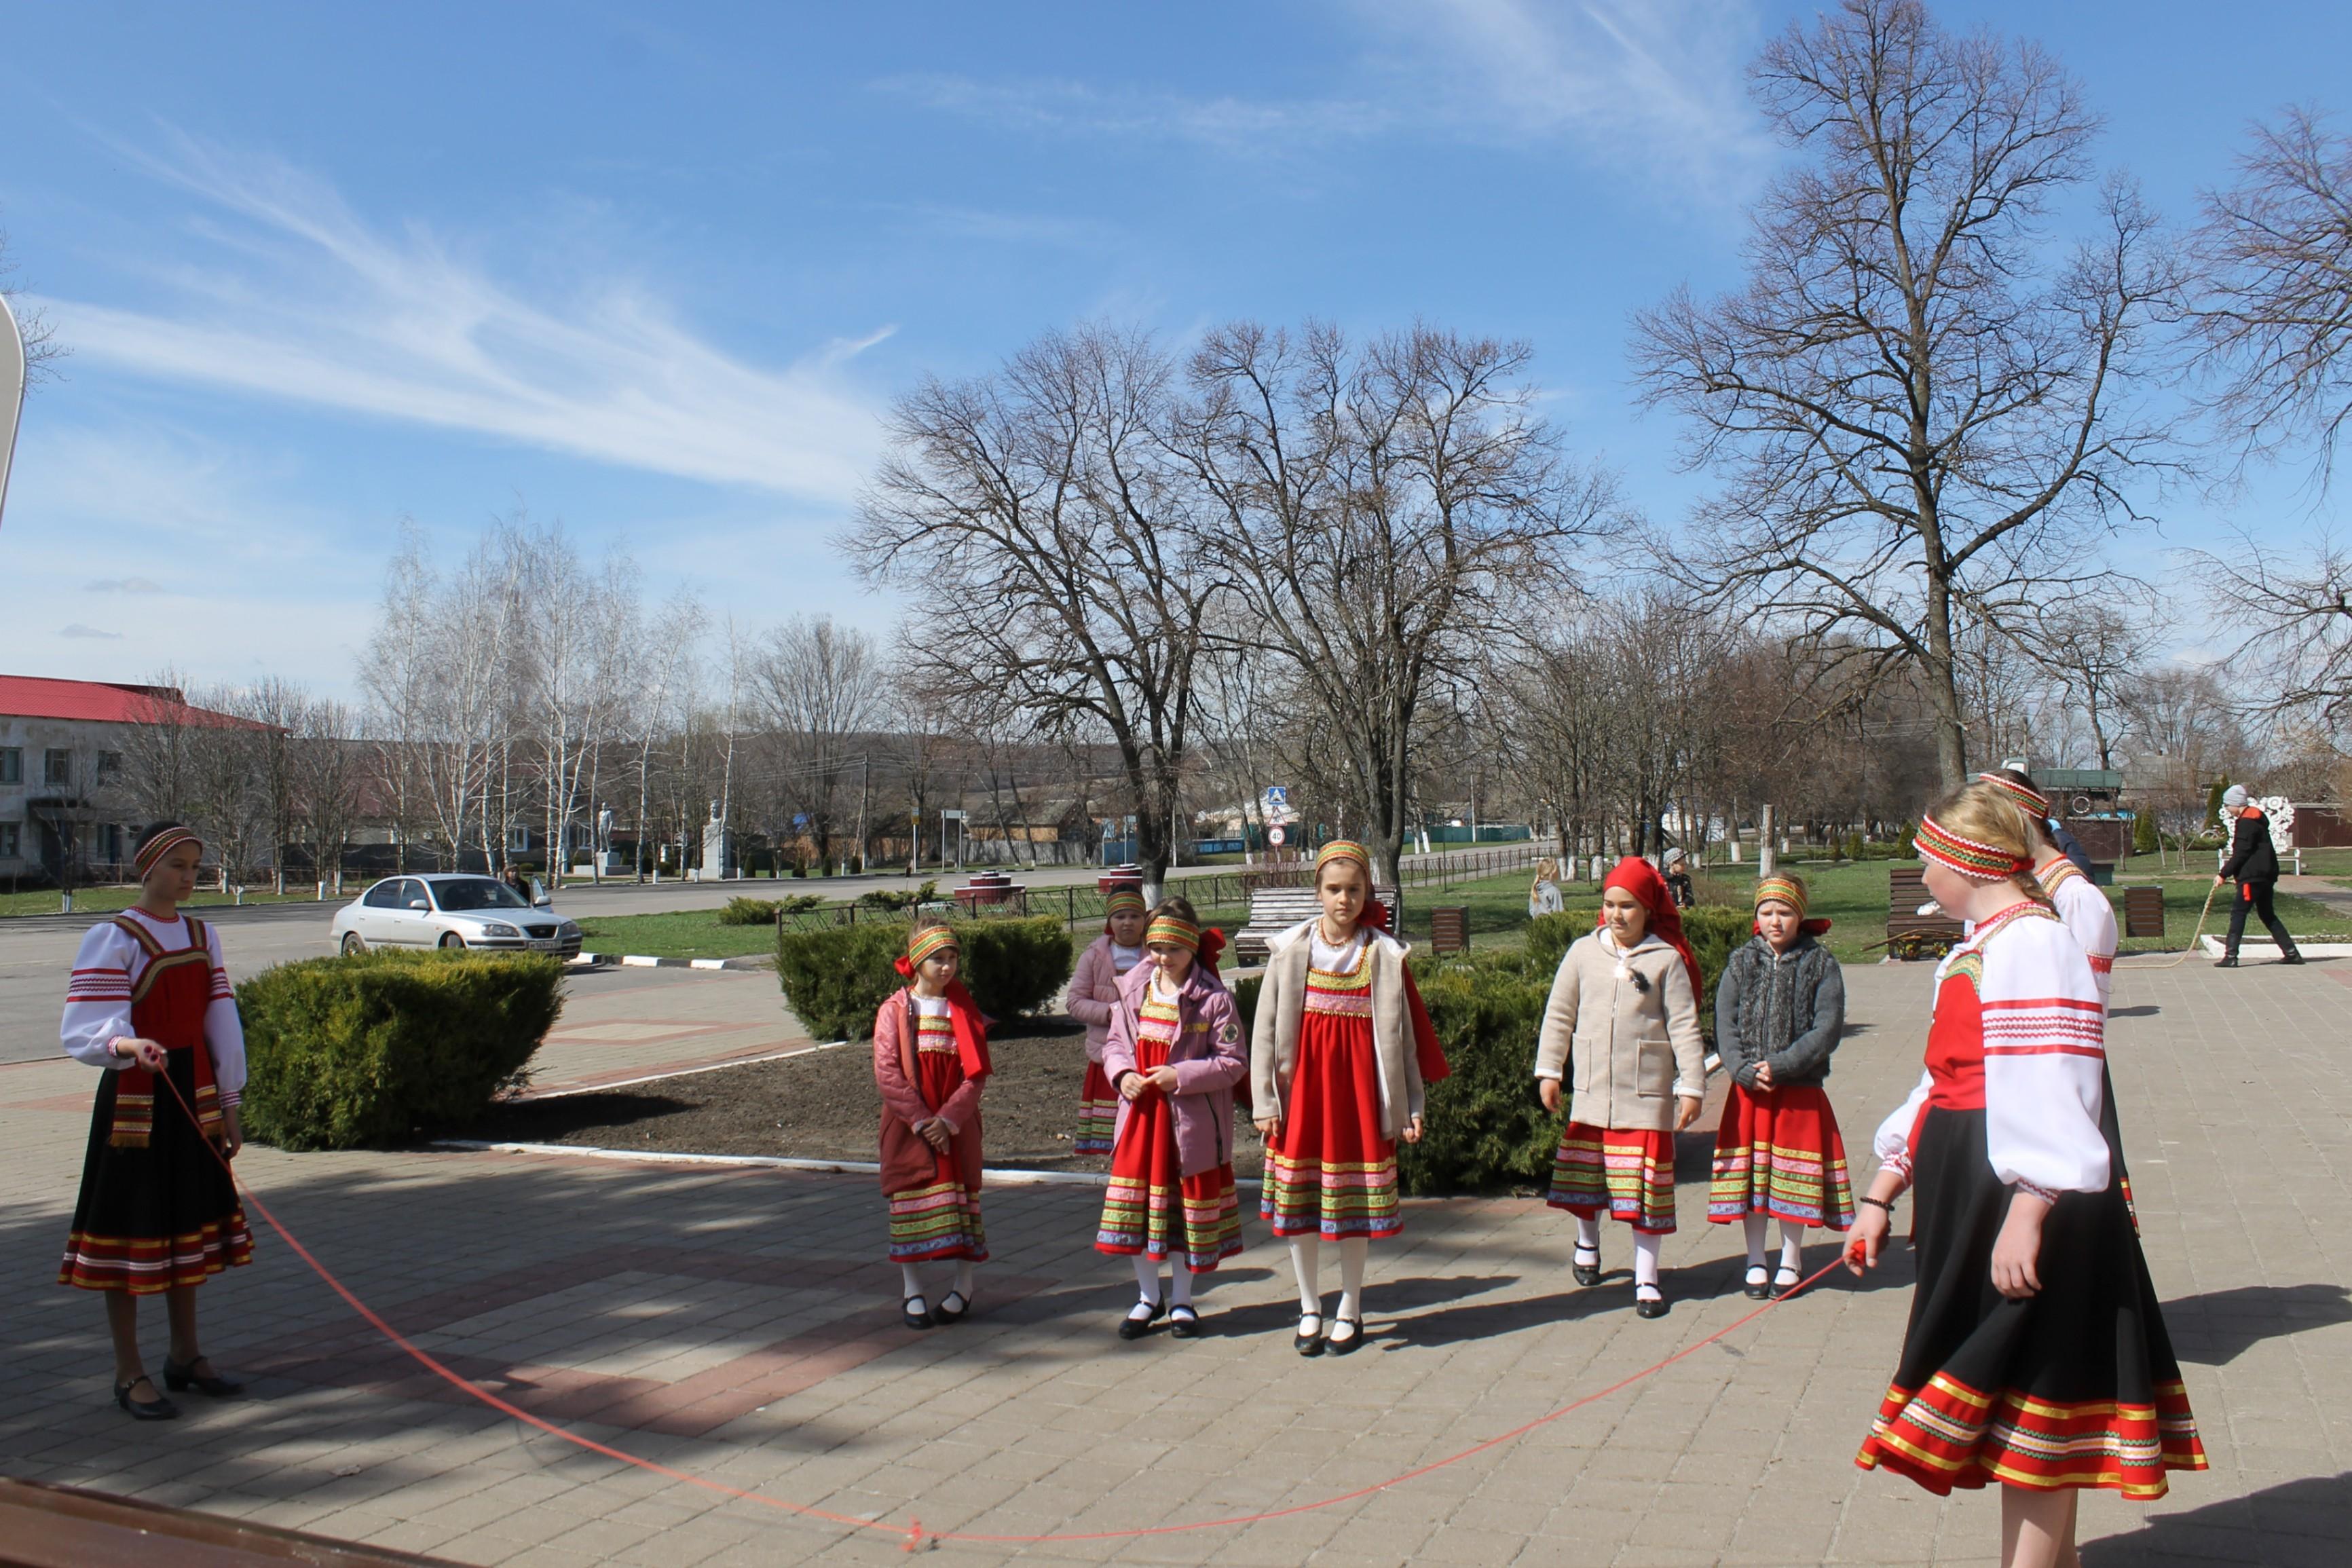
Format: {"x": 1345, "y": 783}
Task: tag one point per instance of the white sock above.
{"x": 964, "y": 1277}
{"x": 910, "y": 1283}
{"x": 1588, "y": 1232}
{"x": 1306, "y": 1263}
{"x": 1756, "y": 1224}
{"x": 1147, "y": 1278}
{"x": 1355, "y": 1252}
{"x": 1792, "y": 1248}
{"x": 1645, "y": 1259}
{"x": 1180, "y": 1286}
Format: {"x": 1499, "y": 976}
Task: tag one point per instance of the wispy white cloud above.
{"x": 78, "y": 630}
{"x": 124, "y": 585}
{"x": 303, "y": 301}
{"x": 1656, "y": 89}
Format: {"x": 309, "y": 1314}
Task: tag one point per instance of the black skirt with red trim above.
{"x": 156, "y": 1218}
{"x": 2076, "y": 1387}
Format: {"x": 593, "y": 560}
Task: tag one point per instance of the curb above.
{"x": 642, "y": 961}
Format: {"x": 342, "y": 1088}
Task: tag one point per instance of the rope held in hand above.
{"x": 912, "y": 1536}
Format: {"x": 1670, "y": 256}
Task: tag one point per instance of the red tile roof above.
{"x": 105, "y": 702}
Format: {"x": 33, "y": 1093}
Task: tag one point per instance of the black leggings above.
{"x": 2256, "y": 896}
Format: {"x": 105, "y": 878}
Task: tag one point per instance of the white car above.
{"x": 451, "y": 910}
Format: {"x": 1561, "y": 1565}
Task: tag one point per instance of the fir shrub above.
{"x": 836, "y": 980}
{"x": 362, "y": 1051}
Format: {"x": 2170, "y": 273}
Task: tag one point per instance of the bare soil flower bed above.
{"x": 823, "y": 1106}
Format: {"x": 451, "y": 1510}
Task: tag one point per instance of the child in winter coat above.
{"x": 1778, "y": 1015}
{"x": 1175, "y": 1053}
{"x": 1626, "y": 1001}
{"x": 1093, "y": 996}
{"x": 930, "y": 1062}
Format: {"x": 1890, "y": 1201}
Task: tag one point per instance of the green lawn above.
{"x": 690, "y": 933}
{"x": 107, "y": 900}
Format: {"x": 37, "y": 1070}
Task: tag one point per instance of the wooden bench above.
{"x": 1273, "y": 911}
{"x": 1449, "y": 928}
{"x": 2142, "y": 911}
{"x": 1904, "y": 893}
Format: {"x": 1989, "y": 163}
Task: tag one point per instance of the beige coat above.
{"x": 1635, "y": 1048}
{"x": 1282, "y": 1003}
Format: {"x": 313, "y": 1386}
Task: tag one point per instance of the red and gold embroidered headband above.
{"x": 1124, "y": 901}
{"x": 163, "y": 844}
{"x": 1985, "y": 862}
{"x": 1789, "y": 890}
{"x": 2033, "y": 800}
{"x": 1174, "y": 932}
{"x": 1344, "y": 849}
{"x": 930, "y": 940}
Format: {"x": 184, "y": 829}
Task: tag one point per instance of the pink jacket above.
{"x": 1094, "y": 994}
{"x": 1209, "y": 1058}
{"x": 909, "y": 1163}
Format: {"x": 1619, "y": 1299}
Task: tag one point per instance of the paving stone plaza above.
{"x": 741, "y": 1325}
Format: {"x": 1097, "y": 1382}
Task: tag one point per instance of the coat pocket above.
{"x": 1653, "y": 1073}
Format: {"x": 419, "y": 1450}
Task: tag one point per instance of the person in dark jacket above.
{"x": 1778, "y": 1015}
{"x": 2254, "y": 863}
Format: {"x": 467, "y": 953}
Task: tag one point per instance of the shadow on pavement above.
{"x": 2218, "y": 1327}
{"x": 2300, "y": 1523}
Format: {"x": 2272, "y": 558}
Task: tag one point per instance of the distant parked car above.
{"x": 451, "y": 910}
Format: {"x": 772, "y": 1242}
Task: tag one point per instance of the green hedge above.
{"x": 349, "y": 1052}
{"x": 763, "y": 912}
{"x": 1485, "y": 1130}
{"x": 836, "y": 980}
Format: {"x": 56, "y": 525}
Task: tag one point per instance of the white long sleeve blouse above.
{"x": 2038, "y": 1038}
{"x": 98, "y": 1000}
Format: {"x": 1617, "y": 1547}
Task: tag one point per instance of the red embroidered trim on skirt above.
{"x": 1948, "y": 1435}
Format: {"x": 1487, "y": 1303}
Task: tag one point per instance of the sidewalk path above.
{"x": 740, "y": 1325}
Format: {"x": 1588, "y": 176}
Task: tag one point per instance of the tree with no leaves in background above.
{"x": 42, "y": 349}
{"x": 1921, "y": 426}
{"x": 1383, "y": 509}
{"x": 1043, "y": 534}
{"x": 825, "y": 689}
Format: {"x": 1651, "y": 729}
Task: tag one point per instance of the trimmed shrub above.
{"x": 1486, "y": 1130}
{"x": 1013, "y": 967}
{"x": 763, "y": 912}
{"x": 835, "y": 979}
{"x": 352, "y": 1052}
{"x": 892, "y": 899}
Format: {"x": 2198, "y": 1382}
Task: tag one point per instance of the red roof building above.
{"x": 98, "y": 701}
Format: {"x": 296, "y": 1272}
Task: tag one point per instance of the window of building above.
{"x": 110, "y": 843}
{"x": 12, "y": 765}
{"x": 12, "y": 845}
{"x": 57, "y": 766}
{"x": 109, "y": 764}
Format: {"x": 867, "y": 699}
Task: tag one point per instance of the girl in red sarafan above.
{"x": 158, "y": 1213}
{"x": 1175, "y": 1054}
{"x": 2036, "y": 1354}
{"x": 930, "y": 1062}
{"x": 1339, "y": 1056}
{"x": 1093, "y": 996}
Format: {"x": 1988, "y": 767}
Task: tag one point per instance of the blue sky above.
{"x": 324, "y": 267}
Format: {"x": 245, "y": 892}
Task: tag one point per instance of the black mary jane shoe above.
{"x": 916, "y": 1314}
{"x": 1786, "y": 1281}
{"x": 1134, "y": 1327}
{"x": 156, "y": 1409}
{"x": 1354, "y": 1340}
{"x": 944, "y": 1314}
{"x": 1183, "y": 1323}
{"x": 1582, "y": 1272}
{"x": 180, "y": 1379}
{"x": 1651, "y": 1306}
{"x": 1304, "y": 1342}
{"x": 1758, "y": 1287}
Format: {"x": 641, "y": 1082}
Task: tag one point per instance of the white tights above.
{"x": 1793, "y": 1243}
{"x": 1646, "y": 1249}
{"x": 910, "y": 1283}
{"x": 1179, "y": 1289}
{"x": 1306, "y": 1262}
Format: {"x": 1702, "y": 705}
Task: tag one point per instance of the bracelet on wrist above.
{"x": 1877, "y": 1204}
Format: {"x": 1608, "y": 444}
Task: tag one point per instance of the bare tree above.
{"x": 665, "y": 673}
{"x": 1042, "y": 505}
{"x": 2274, "y": 318}
{"x": 42, "y": 349}
{"x": 2296, "y": 655}
{"x": 328, "y": 766}
{"x": 1921, "y": 423}
{"x": 1383, "y": 507}
{"x": 822, "y": 686}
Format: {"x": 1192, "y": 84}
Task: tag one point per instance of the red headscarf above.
{"x": 1640, "y": 878}
{"x": 963, "y": 1013}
